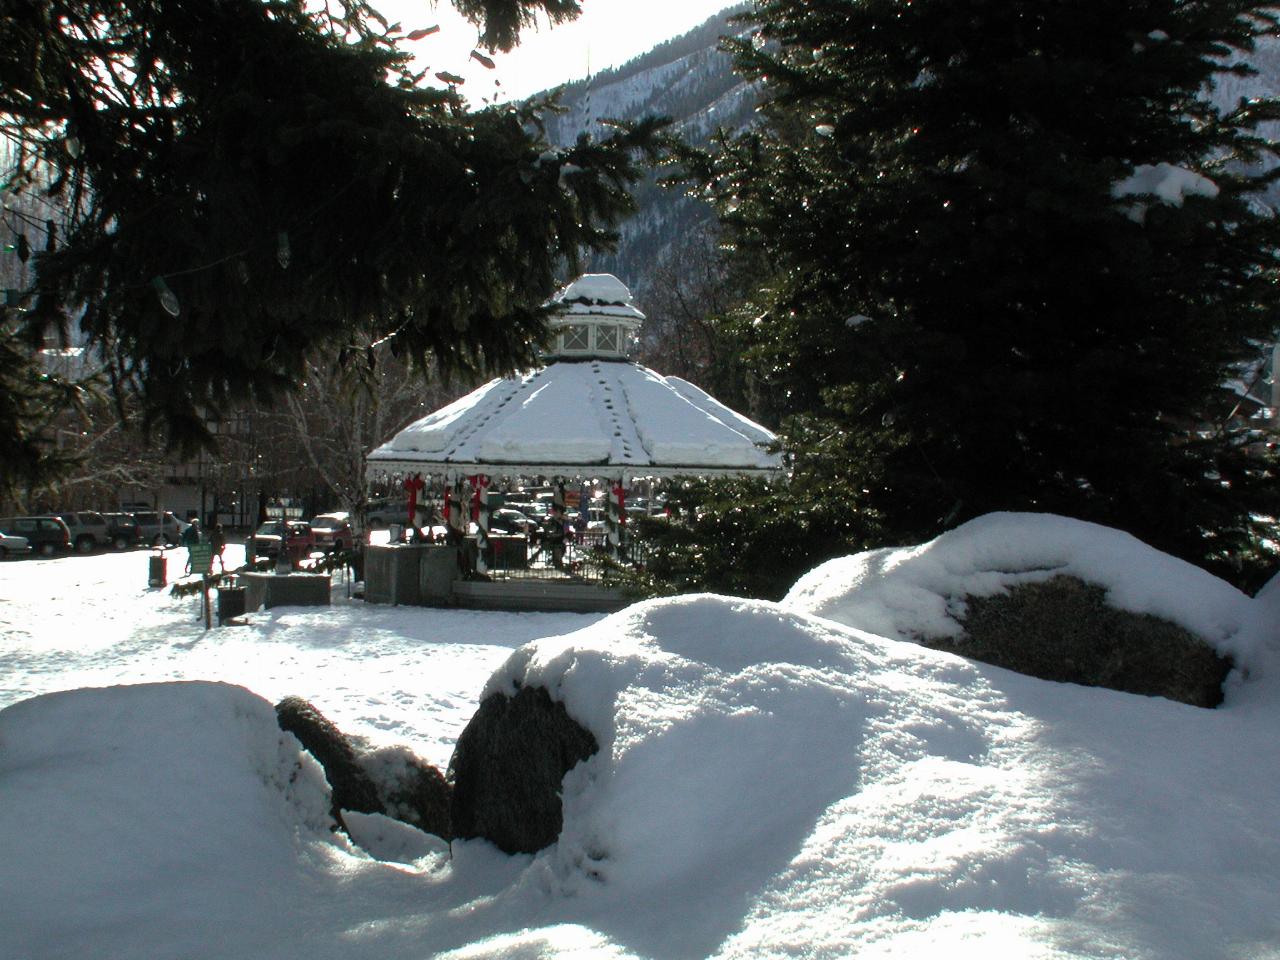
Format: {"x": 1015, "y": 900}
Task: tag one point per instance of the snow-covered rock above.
{"x": 913, "y": 592}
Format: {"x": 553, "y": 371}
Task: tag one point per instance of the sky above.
{"x": 608, "y": 34}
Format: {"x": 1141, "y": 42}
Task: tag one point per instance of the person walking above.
{"x": 218, "y": 541}
{"x": 191, "y": 537}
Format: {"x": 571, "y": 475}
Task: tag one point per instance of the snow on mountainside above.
{"x": 1254, "y": 385}
{"x": 1228, "y": 89}
{"x": 690, "y": 80}
{"x": 698, "y": 91}
{"x": 687, "y": 79}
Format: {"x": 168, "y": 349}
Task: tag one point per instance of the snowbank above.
{"x": 769, "y": 784}
{"x": 126, "y": 811}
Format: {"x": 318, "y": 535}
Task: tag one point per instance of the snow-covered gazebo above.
{"x": 588, "y": 414}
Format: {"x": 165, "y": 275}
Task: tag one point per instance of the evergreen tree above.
{"x": 249, "y": 180}
{"x": 31, "y": 401}
{"x": 1015, "y": 251}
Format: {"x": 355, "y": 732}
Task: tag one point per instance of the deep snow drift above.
{"x": 770, "y": 783}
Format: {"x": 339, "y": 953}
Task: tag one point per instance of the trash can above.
{"x": 231, "y": 603}
{"x": 156, "y": 575}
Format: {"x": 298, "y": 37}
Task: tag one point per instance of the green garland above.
{"x": 189, "y": 588}
{"x": 334, "y": 561}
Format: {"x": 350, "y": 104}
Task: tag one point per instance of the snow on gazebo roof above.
{"x": 596, "y": 294}
{"x": 594, "y": 418}
{"x": 591, "y": 413}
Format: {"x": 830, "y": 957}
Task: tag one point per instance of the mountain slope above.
{"x": 687, "y": 79}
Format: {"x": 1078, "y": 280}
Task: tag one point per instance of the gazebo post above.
{"x": 481, "y": 486}
{"x": 558, "y": 523}
{"x": 615, "y": 519}
{"x": 447, "y": 510}
{"x": 458, "y": 523}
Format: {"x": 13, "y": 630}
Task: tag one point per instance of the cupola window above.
{"x": 593, "y": 318}
{"x": 577, "y": 337}
{"x": 607, "y": 338}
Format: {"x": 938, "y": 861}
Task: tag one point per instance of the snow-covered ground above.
{"x": 770, "y": 782}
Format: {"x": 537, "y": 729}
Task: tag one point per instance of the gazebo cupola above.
{"x": 593, "y": 318}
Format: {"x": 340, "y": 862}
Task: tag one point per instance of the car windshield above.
{"x": 327, "y": 521}
{"x": 271, "y": 529}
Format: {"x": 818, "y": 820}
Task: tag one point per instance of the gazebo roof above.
{"x": 589, "y": 413}
{"x": 592, "y": 418}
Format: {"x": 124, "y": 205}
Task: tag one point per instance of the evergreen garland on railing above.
{"x": 327, "y": 564}
{"x": 333, "y": 561}
{"x": 189, "y": 588}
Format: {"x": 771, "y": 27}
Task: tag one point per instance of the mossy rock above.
{"x": 393, "y": 782}
{"x": 1062, "y": 629}
{"x": 351, "y": 786}
{"x": 508, "y": 767}
{"x": 411, "y": 789}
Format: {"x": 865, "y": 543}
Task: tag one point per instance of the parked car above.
{"x": 89, "y": 530}
{"x": 294, "y": 535}
{"x": 158, "y": 528}
{"x": 13, "y": 546}
{"x": 537, "y": 510}
{"x": 385, "y": 511}
{"x": 333, "y": 531}
{"x": 124, "y": 530}
{"x": 509, "y": 520}
{"x": 47, "y": 535}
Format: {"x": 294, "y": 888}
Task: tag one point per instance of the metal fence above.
{"x": 584, "y": 557}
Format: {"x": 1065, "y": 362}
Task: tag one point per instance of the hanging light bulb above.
{"x": 168, "y": 299}
{"x": 283, "y": 253}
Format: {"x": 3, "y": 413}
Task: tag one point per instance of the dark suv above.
{"x": 124, "y": 530}
{"x": 47, "y": 535}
